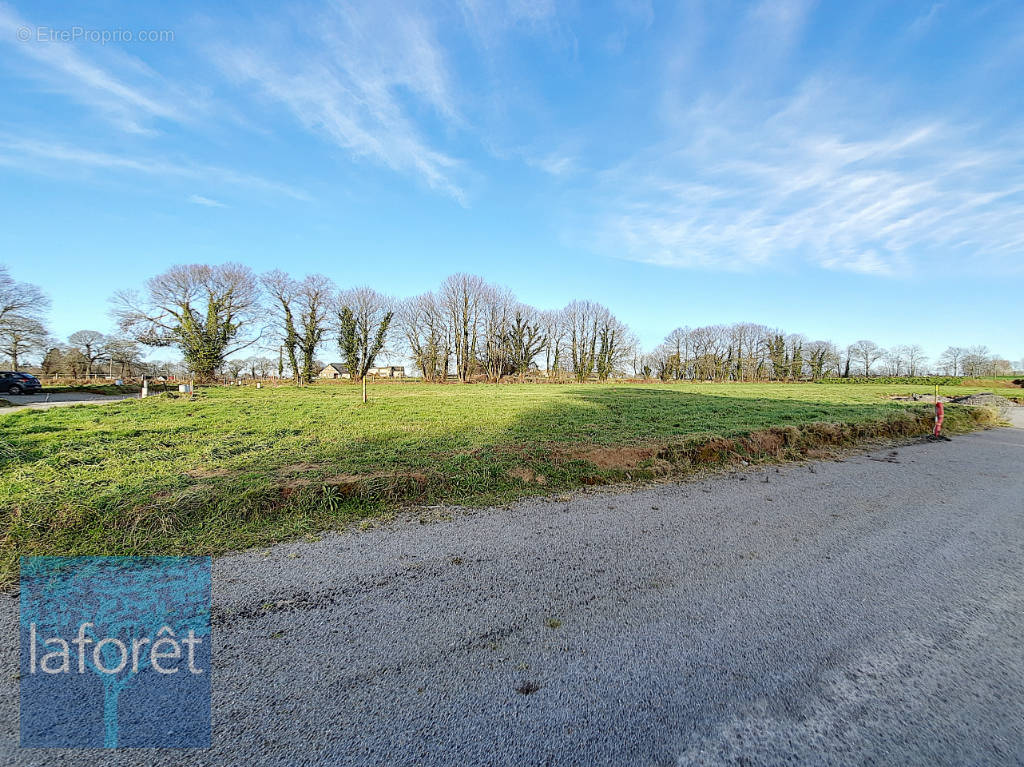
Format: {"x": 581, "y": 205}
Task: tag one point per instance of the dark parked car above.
{"x": 18, "y": 383}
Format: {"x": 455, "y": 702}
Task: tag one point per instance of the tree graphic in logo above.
{"x": 115, "y": 651}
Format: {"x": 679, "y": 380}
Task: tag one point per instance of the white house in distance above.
{"x": 337, "y": 370}
{"x": 388, "y": 371}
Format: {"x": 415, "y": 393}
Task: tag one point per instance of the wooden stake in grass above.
{"x": 364, "y": 389}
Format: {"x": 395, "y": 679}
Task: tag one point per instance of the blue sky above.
{"x": 844, "y": 170}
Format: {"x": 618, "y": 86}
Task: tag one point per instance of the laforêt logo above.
{"x": 115, "y": 652}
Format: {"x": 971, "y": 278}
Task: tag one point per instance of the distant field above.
{"x": 235, "y": 467}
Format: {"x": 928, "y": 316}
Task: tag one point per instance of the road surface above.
{"x": 869, "y": 611}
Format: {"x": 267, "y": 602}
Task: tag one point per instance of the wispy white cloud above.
{"x": 762, "y": 169}
{"x": 206, "y": 202}
{"x": 61, "y": 66}
{"x": 59, "y": 159}
{"x": 751, "y": 152}
{"x": 553, "y": 164}
{"x": 768, "y": 34}
{"x": 799, "y": 186}
{"x": 489, "y": 20}
{"x": 558, "y": 162}
{"x": 633, "y": 16}
{"x": 358, "y": 77}
{"x": 780, "y": 19}
{"x": 924, "y": 22}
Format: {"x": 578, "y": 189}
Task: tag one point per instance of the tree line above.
{"x": 467, "y": 329}
{"x": 474, "y": 328}
{"x": 750, "y": 352}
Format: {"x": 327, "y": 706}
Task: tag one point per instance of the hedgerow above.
{"x": 911, "y": 380}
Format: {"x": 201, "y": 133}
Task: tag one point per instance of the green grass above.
{"x": 94, "y": 388}
{"x": 238, "y": 467}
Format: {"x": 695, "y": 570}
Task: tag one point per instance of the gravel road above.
{"x": 45, "y": 401}
{"x": 865, "y": 611}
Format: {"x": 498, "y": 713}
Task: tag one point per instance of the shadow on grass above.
{"x": 123, "y": 487}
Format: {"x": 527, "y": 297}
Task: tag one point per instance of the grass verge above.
{"x": 234, "y": 468}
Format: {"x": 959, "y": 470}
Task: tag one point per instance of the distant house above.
{"x": 388, "y": 371}
{"x": 339, "y": 370}
{"x": 335, "y": 370}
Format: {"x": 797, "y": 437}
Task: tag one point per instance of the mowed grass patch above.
{"x": 237, "y": 467}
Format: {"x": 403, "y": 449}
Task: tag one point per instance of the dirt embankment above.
{"x": 559, "y": 467}
{"x": 986, "y": 399}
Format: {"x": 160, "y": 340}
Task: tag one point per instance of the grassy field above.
{"x": 235, "y": 467}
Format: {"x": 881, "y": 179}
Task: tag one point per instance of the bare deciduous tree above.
{"x": 677, "y": 345}
{"x": 20, "y": 299}
{"x": 709, "y": 348}
{"x": 234, "y": 367}
{"x": 498, "y": 306}
{"x": 125, "y": 355}
{"x": 281, "y": 290}
{"x": 206, "y": 311}
{"x": 894, "y": 360}
{"x": 866, "y": 353}
{"x": 588, "y": 324}
{"x": 554, "y": 328}
{"x": 90, "y": 344}
{"x": 951, "y": 359}
{"x": 426, "y": 332}
{"x": 259, "y": 366}
{"x": 915, "y": 359}
{"x": 21, "y": 336}
{"x": 302, "y": 313}
{"x": 462, "y": 296}
{"x": 977, "y": 361}
{"x": 22, "y": 308}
